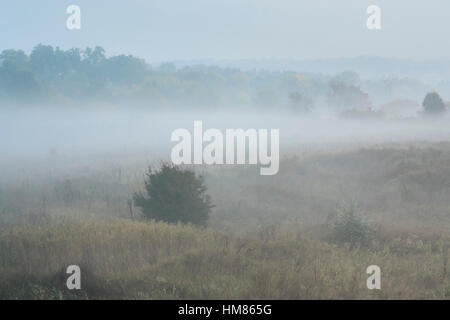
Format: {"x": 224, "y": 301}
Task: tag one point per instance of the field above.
{"x": 226, "y": 150}
{"x": 267, "y": 238}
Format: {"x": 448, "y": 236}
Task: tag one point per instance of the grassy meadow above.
{"x": 267, "y": 238}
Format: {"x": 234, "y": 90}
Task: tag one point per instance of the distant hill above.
{"x": 367, "y": 66}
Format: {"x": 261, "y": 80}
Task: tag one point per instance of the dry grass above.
{"x": 139, "y": 260}
{"x": 268, "y": 237}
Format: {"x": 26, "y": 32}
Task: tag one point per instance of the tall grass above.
{"x": 140, "y": 260}
{"x": 267, "y": 237}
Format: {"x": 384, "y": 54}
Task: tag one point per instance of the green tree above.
{"x": 174, "y": 194}
{"x": 433, "y": 105}
{"x": 94, "y": 56}
{"x": 18, "y": 58}
{"x": 347, "y": 97}
{"x": 124, "y": 69}
{"x": 349, "y": 227}
{"x": 42, "y": 61}
{"x": 300, "y": 103}
{"x": 17, "y": 82}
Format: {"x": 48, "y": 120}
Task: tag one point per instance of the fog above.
{"x": 63, "y": 137}
{"x": 331, "y": 151}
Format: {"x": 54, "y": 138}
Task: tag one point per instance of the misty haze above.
{"x": 87, "y": 179}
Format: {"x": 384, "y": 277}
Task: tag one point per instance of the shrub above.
{"x": 433, "y": 104}
{"x": 174, "y": 194}
{"x": 349, "y": 227}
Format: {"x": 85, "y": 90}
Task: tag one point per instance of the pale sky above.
{"x": 163, "y": 30}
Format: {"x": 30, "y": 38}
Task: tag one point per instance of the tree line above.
{"x": 76, "y": 75}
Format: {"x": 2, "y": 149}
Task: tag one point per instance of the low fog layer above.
{"x": 83, "y": 108}
{"x": 49, "y": 137}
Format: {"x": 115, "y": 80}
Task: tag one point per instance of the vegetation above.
{"x": 274, "y": 237}
{"x": 268, "y": 240}
{"x": 349, "y": 227}
{"x": 52, "y": 75}
{"x": 174, "y": 194}
{"x": 433, "y": 105}
{"x": 348, "y": 97}
{"x": 140, "y": 260}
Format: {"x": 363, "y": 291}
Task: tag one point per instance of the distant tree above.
{"x": 433, "y": 105}
{"x": 174, "y": 194}
{"x": 167, "y": 67}
{"x": 16, "y": 81}
{"x": 293, "y": 81}
{"x": 94, "y": 56}
{"x": 348, "y": 78}
{"x": 348, "y": 97}
{"x": 300, "y": 102}
{"x": 18, "y": 58}
{"x": 66, "y": 62}
{"x": 125, "y": 69}
{"x": 42, "y": 61}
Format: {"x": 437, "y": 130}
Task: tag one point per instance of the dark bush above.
{"x": 433, "y": 105}
{"x": 174, "y": 194}
{"x": 349, "y": 227}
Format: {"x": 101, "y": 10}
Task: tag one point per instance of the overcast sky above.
{"x": 161, "y": 30}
